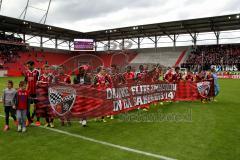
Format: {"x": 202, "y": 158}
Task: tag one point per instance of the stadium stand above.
{"x": 223, "y": 55}
{"x": 13, "y": 57}
{"x": 167, "y": 56}
{"x": 9, "y": 48}
{"x": 14, "y": 62}
{"x": 40, "y": 58}
{"x": 10, "y": 38}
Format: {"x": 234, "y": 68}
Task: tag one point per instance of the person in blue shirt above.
{"x": 215, "y": 79}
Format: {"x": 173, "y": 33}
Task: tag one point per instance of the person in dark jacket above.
{"x": 84, "y": 79}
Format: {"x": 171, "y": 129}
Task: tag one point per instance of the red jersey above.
{"x": 45, "y": 79}
{"x": 209, "y": 77}
{"x": 156, "y": 76}
{"x": 177, "y": 77}
{"x": 103, "y": 81}
{"x": 116, "y": 79}
{"x": 199, "y": 78}
{"x": 63, "y": 79}
{"x": 128, "y": 77}
{"x": 22, "y": 99}
{"x": 169, "y": 77}
{"x": 189, "y": 78}
{"x": 31, "y": 77}
{"x": 141, "y": 76}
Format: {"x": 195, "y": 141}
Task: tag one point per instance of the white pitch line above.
{"x": 108, "y": 144}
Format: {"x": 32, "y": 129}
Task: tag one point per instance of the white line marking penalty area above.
{"x": 107, "y": 144}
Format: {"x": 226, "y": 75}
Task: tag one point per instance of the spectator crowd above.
{"x": 205, "y": 56}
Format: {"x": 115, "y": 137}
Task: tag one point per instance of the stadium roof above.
{"x": 209, "y": 24}
{"x": 19, "y": 26}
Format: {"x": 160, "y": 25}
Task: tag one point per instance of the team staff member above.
{"x": 84, "y": 79}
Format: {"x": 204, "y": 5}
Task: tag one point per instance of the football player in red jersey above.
{"x": 177, "y": 76}
{"x": 141, "y": 75}
{"x": 64, "y": 79}
{"x": 31, "y": 77}
{"x": 168, "y": 77}
{"x": 200, "y": 76}
{"x": 45, "y": 76}
{"x": 102, "y": 80}
{"x": 129, "y": 75}
{"x": 157, "y": 74}
{"x": 42, "y": 87}
{"x": 208, "y": 76}
{"x": 116, "y": 77}
{"x": 189, "y": 77}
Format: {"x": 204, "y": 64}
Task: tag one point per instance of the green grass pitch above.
{"x": 212, "y": 134}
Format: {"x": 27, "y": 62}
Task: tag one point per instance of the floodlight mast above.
{"x": 47, "y": 11}
{"x": 24, "y": 12}
{"x": 44, "y": 18}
